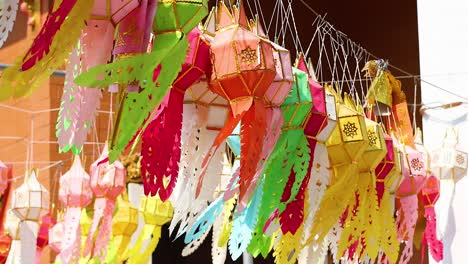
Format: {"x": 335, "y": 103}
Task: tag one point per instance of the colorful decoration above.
{"x": 243, "y": 69}
{"x": 155, "y": 213}
{"x": 161, "y": 147}
{"x": 431, "y": 193}
{"x": 47, "y": 222}
{"x": 30, "y": 203}
{"x": 75, "y": 193}
{"x": 447, "y": 162}
{"x": 124, "y": 224}
{"x": 3, "y": 177}
{"x": 12, "y": 227}
{"x": 107, "y": 183}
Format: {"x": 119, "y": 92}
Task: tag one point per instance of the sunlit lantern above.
{"x": 447, "y": 162}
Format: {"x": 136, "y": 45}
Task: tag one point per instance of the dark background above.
{"x": 388, "y": 29}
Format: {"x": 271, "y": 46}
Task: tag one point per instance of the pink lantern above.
{"x": 161, "y": 147}
{"x": 107, "y": 183}
{"x": 431, "y": 193}
{"x": 74, "y": 193}
{"x": 385, "y": 166}
{"x": 3, "y": 177}
{"x": 113, "y": 10}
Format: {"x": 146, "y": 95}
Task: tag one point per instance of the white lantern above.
{"x": 448, "y": 163}
{"x": 31, "y": 200}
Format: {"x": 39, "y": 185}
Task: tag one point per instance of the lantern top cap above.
{"x": 210, "y": 24}
{"x": 226, "y": 19}
{"x": 256, "y": 27}
{"x": 451, "y": 137}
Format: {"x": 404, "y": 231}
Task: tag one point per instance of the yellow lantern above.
{"x": 155, "y": 213}
{"x": 125, "y": 223}
{"x": 345, "y": 146}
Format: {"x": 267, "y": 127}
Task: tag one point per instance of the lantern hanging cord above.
{"x": 58, "y": 163}
{"x": 371, "y": 55}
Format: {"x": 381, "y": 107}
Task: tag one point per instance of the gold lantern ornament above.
{"x": 124, "y": 224}
{"x": 447, "y": 162}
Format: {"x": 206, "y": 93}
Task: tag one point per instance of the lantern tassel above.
{"x": 406, "y": 221}
{"x": 103, "y": 210}
{"x": 430, "y": 233}
{"x": 253, "y": 132}
{"x": 71, "y": 245}
{"x": 218, "y": 253}
{"x": 161, "y": 149}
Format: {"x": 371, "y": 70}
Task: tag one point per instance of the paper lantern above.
{"x": 414, "y": 172}
{"x": 113, "y": 10}
{"x": 30, "y": 201}
{"x": 12, "y": 227}
{"x": 161, "y": 147}
{"x": 124, "y": 224}
{"x": 3, "y": 177}
{"x": 155, "y": 214}
{"x": 447, "y": 162}
{"x": 293, "y": 215}
{"x": 431, "y": 193}
{"x": 107, "y": 183}
{"x": 75, "y": 193}
{"x": 345, "y": 146}
{"x": 290, "y": 157}
{"x": 243, "y": 70}
{"x": 360, "y": 233}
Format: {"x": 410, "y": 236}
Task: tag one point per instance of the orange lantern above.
{"x": 243, "y": 70}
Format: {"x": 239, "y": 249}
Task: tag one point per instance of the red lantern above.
{"x": 243, "y": 70}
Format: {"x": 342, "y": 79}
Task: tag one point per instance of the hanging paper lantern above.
{"x": 124, "y": 224}
{"x": 345, "y": 147}
{"x": 447, "y": 162}
{"x": 107, "y": 183}
{"x": 293, "y": 215}
{"x": 8, "y": 11}
{"x": 360, "y": 226}
{"x": 30, "y": 201}
{"x": 155, "y": 213}
{"x": 274, "y": 97}
{"x": 290, "y": 158}
{"x": 74, "y": 193}
{"x": 243, "y": 69}
{"x": 161, "y": 147}
{"x": 49, "y": 50}
{"x": 321, "y": 178}
{"x": 431, "y": 193}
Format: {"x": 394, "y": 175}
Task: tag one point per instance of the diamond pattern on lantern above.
{"x": 248, "y": 56}
{"x": 460, "y": 159}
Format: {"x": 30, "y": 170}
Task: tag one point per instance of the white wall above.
{"x": 443, "y": 43}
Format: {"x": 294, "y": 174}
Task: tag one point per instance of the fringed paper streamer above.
{"x": 124, "y": 224}
{"x": 244, "y": 224}
{"x": 345, "y": 146}
{"x": 153, "y": 72}
{"x": 161, "y": 149}
{"x": 274, "y": 122}
{"x": 288, "y": 247}
{"x": 8, "y": 11}
{"x": 79, "y": 105}
{"x": 49, "y": 50}
{"x": 195, "y": 244}
{"x": 107, "y": 183}
{"x": 218, "y": 253}
{"x": 406, "y": 221}
{"x": 431, "y": 193}
{"x": 155, "y": 213}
